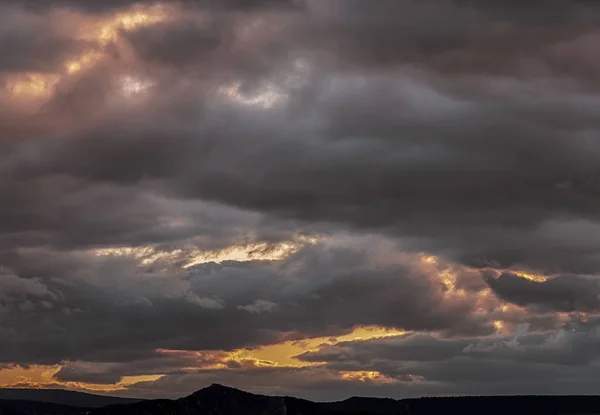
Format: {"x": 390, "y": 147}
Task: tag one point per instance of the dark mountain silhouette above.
{"x": 218, "y": 400}
{"x": 379, "y": 406}
{"x": 63, "y": 397}
{"x": 39, "y": 408}
{"x": 503, "y": 405}
{"x": 221, "y": 400}
{"x": 7, "y": 410}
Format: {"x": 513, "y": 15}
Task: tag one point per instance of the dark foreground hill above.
{"x": 221, "y": 400}
{"x": 7, "y": 410}
{"x": 502, "y": 405}
{"x": 19, "y": 407}
{"x": 63, "y": 397}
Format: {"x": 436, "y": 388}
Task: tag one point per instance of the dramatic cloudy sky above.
{"x": 320, "y": 198}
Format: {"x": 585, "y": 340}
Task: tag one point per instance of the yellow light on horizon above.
{"x": 27, "y": 375}
{"x": 130, "y": 380}
{"x": 285, "y": 354}
{"x": 37, "y": 376}
{"x": 278, "y": 355}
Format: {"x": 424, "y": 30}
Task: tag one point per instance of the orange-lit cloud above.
{"x": 32, "y": 375}
{"x": 367, "y": 376}
{"x": 530, "y": 276}
{"x": 260, "y": 251}
{"x": 40, "y": 86}
{"x": 43, "y": 376}
{"x": 31, "y": 86}
{"x": 272, "y": 356}
{"x": 107, "y": 31}
{"x": 284, "y": 354}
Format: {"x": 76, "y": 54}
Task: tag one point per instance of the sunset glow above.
{"x": 317, "y": 199}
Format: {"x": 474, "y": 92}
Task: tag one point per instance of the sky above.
{"x": 318, "y": 198}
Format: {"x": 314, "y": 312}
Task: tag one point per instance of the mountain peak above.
{"x": 217, "y": 387}
{"x": 218, "y": 391}
{"x": 218, "y": 399}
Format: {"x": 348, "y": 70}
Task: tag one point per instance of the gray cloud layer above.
{"x": 464, "y": 129}
{"x": 76, "y": 306}
{"x": 563, "y": 293}
{"x": 473, "y": 165}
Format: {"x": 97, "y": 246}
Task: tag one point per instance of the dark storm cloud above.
{"x": 559, "y": 362}
{"x": 113, "y": 308}
{"x": 34, "y": 46}
{"x": 572, "y": 344}
{"x": 477, "y": 178}
{"x": 411, "y": 347}
{"x": 563, "y": 293}
{"x": 546, "y": 362}
{"x": 321, "y": 384}
{"x": 85, "y": 5}
{"x": 465, "y": 129}
{"x": 176, "y": 43}
{"x": 111, "y": 373}
{"x": 111, "y": 5}
{"x": 477, "y": 167}
{"x": 73, "y": 214}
